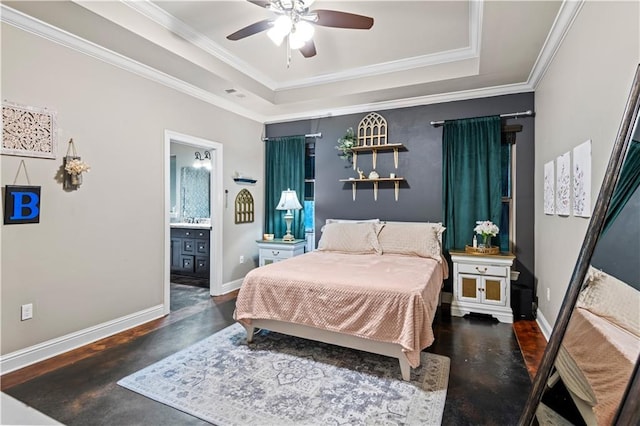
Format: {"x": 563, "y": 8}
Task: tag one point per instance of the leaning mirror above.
{"x": 589, "y": 371}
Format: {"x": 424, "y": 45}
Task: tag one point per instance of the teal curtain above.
{"x": 284, "y": 169}
{"x": 627, "y": 184}
{"x": 471, "y": 177}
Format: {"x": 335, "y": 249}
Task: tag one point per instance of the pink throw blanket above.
{"x": 386, "y": 298}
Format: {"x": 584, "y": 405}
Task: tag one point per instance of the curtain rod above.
{"x": 510, "y": 115}
{"x": 309, "y": 135}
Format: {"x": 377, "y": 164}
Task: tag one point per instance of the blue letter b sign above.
{"x": 21, "y": 204}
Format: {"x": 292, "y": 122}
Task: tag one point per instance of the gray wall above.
{"x": 581, "y": 96}
{"x": 97, "y": 255}
{"x": 618, "y": 251}
{"x": 421, "y": 164}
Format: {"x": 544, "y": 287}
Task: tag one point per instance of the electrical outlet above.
{"x": 26, "y": 311}
{"x": 548, "y": 294}
{"x": 241, "y": 259}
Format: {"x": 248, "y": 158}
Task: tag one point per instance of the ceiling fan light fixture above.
{"x": 303, "y": 30}
{"x": 281, "y": 27}
{"x": 295, "y": 42}
{"x": 275, "y": 36}
{"x": 293, "y": 22}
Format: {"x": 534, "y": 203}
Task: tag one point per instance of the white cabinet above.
{"x": 481, "y": 284}
{"x": 277, "y": 250}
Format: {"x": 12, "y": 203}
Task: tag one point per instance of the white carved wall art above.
{"x": 28, "y": 131}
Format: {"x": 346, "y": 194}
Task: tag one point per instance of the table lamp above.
{"x": 288, "y": 201}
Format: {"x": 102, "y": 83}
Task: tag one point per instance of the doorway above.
{"x": 216, "y": 210}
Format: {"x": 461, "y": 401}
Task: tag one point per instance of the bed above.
{"x": 604, "y": 328}
{"x": 369, "y": 286}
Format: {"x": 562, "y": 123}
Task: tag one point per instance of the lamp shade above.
{"x": 289, "y": 201}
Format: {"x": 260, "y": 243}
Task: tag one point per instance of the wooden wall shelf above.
{"x": 354, "y": 184}
{"x": 374, "y": 149}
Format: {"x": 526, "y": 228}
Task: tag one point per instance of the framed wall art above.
{"x": 582, "y": 180}
{"x": 28, "y": 131}
{"x": 549, "y": 188}
{"x": 563, "y": 184}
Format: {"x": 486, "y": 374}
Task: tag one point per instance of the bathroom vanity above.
{"x": 190, "y": 249}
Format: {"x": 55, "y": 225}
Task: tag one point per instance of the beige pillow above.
{"x": 612, "y": 299}
{"x": 328, "y": 221}
{"x": 412, "y": 239}
{"x": 356, "y": 238}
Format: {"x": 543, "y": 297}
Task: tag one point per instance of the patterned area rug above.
{"x": 278, "y": 380}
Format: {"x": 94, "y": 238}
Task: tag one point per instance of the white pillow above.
{"x": 612, "y": 299}
{"x": 355, "y": 238}
{"x": 412, "y": 239}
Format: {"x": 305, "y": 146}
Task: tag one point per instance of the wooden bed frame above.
{"x": 393, "y": 350}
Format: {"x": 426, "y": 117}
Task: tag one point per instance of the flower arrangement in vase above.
{"x": 486, "y": 229}
{"x": 74, "y": 167}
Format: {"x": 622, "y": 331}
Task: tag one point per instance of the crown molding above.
{"x": 472, "y": 51}
{"x": 486, "y": 92}
{"x": 561, "y": 26}
{"x": 382, "y": 68}
{"x": 564, "y": 20}
{"x": 42, "y": 29}
{"x": 173, "y": 24}
{"x": 170, "y": 22}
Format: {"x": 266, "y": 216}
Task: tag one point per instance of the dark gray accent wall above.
{"x": 618, "y": 251}
{"x": 420, "y": 196}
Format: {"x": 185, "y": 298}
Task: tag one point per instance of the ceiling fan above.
{"x": 293, "y": 23}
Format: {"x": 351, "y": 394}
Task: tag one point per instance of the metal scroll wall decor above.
{"x": 244, "y": 211}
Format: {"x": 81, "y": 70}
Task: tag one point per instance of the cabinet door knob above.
{"x": 483, "y": 270}
{"x": 275, "y": 253}
{"x": 187, "y": 233}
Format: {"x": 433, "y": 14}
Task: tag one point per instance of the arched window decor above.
{"x": 372, "y": 137}
{"x": 244, "y": 207}
{"x": 372, "y": 130}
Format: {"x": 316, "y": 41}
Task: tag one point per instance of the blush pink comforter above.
{"x": 387, "y": 298}
{"x": 605, "y": 355}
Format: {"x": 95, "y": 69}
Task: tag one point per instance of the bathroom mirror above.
{"x": 189, "y": 184}
{"x": 610, "y": 249}
{"x": 195, "y": 191}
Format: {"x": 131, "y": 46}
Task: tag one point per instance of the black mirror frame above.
{"x": 628, "y": 409}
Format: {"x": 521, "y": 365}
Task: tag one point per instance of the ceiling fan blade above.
{"x": 251, "y": 29}
{"x": 333, "y": 18}
{"x": 309, "y": 49}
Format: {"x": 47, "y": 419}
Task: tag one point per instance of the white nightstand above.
{"x": 482, "y": 284}
{"x": 277, "y": 250}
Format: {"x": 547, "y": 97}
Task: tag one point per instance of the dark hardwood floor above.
{"x": 488, "y": 384}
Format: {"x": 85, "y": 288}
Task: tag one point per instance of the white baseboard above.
{"x": 36, "y": 353}
{"x": 544, "y": 325}
{"x": 231, "y": 286}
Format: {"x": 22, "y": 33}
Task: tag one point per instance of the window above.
{"x": 508, "y": 161}
{"x": 309, "y": 194}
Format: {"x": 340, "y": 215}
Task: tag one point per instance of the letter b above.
{"x": 25, "y": 205}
